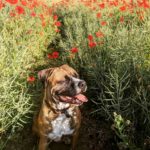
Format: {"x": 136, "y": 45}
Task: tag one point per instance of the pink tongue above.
{"x": 81, "y": 97}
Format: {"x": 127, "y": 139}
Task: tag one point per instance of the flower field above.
{"x": 107, "y": 41}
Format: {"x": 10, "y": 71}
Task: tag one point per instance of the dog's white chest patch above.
{"x": 60, "y": 127}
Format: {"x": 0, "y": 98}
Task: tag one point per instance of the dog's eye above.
{"x": 60, "y": 82}
{"x": 67, "y": 78}
{"x": 75, "y": 75}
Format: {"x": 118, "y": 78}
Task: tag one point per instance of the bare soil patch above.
{"x": 95, "y": 134}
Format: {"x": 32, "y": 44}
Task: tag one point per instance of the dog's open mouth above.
{"x": 77, "y": 99}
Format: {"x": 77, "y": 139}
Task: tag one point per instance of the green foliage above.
{"x": 23, "y": 40}
{"x": 117, "y": 68}
{"x": 122, "y": 129}
{"x": 116, "y": 65}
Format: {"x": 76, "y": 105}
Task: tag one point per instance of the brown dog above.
{"x": 59, "y": 115}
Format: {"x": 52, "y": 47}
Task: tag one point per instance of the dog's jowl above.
{"x": 59, "y": 114}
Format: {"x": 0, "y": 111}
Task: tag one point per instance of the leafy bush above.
{"x": 26, "y": 29}
{"x": 107, "y": 42}
{"x": 110, "y": 46}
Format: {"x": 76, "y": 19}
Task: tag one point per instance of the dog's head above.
{"x": 64, "y": 84}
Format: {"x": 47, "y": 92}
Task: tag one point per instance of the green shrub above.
{"x": 110, "y": 48}
{"x": 23, "y": 40}
{"x": 117, "y": 67}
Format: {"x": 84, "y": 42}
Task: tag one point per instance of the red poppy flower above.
{"x": 58, "y": 23}
{"x": 55, "y": 17}
{"x": 43, "y": 23}
{"x": 103, "y": 23}
{"x": 102, "y": 5}
{"x": 98, "y": 15}
{"x": 144, "y": 4}
{"x": 55, "y": 55}
{"x": 90, "y": 37}
{"x": 49, "y": 56}
{"x": 31, "y": 79}
{"x": 41, "y": 16}
{"x": 121, "y": 19}
{"x": 92, "y": 44}
{"x": 13, "y": 2}
{"x": 93, "y": 8}
{"x": 20, "y": 10}
{"x": 50, "y": 10}
{"x": 23, "y": 2}
{"x": 1, "y": 5}
{"x": 35, "y": 3}
{"x": 140, "y": 4}
{"x": 99, "y": 34}
{"x": 12, "y": 14}
{"x": 33, "y": 14}
{"x": 111, "y": 14}
{"x": 57, "y": 30}
{"x": 113, "y": 3}
{"x": 74, "y": 50}
{"x": 141, "y": 18}
{"x": 122, "y": 8}
{"x": 31, "y": 6}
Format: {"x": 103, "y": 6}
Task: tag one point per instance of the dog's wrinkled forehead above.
{"x": 58, "y": 74}
{"x": 61, "y": 73}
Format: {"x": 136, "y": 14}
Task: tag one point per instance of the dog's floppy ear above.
{"x": 43, "y": 74}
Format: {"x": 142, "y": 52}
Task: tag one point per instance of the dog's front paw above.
{"x": 66, "y": 140}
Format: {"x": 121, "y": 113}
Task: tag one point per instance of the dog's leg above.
{"x": 74, "y": 140}
{"x": 77, "y": 120}
{"x": 43, "y": 143}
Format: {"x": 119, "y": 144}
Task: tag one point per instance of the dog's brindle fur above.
{"x": 57, "y": 118}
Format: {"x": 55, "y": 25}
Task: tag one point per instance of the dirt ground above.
{"x": 95, "y": 134}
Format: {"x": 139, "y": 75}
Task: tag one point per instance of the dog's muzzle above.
{"x": 73, "y": 93}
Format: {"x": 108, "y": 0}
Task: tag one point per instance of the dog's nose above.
{"x": 82, "y": 85}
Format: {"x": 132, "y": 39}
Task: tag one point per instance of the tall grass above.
{"x": 117, "y": 66}
{"x": 109, "y": 45}
{"x": 23, "y": 41}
